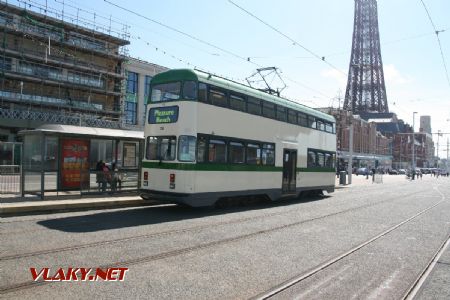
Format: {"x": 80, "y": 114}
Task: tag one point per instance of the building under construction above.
{"x": 54, "y": 71}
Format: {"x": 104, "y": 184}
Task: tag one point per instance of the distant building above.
{"x": 370, "y": 147}
{"x": 425, "y": 124}
{"x": 402, "y": 139}
{"x": 52, "y": 71}
{"x": 139, "y": 74}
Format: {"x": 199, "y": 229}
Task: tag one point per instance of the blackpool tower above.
{"x": 366, "y": 91}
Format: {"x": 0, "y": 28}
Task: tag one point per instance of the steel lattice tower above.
{"x": 366, "y": 91}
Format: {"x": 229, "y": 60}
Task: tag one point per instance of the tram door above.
{"x": 289, "y": 171}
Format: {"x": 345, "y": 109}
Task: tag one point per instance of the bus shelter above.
{"x": 65, "y": 159}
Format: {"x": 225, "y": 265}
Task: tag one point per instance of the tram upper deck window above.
{"x": 186, "y": 148}
{"x": 166, "y": 92}
{"x": 320, "y": 125}
{"x": 202, "y": 92}
{"x": 268, "y": 110}
{"x": 312, "y": 122}
{"x": 254, "y": 106}
{"x": 190, "y": 90}
{"x": 237, "y": 102}
{"x": 281, "y": 113}
{"x": 218, "y": 97}
{"x": 292, "y": 116}
{"x": 161, "y": 148}
{"x": 329, "y": 127}
{"x": 302, "y": 119}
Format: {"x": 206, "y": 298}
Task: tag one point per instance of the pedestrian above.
{"x": 420, "y": 175}
{"x": 373, "y": 175}
{"x": 99, "y": 174}
{"x": 106, "y": 177}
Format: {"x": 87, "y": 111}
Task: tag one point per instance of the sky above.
{"x": 219, "y": 37}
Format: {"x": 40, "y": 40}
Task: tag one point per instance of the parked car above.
{"x": 363, "y": 171}
{"x": 402, "y": 171}
{"x": 393, "y": 172}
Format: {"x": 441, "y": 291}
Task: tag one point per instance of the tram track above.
{"x": 88, "y": 224}
{"x": 313, "y": 271}
{"x": 177, "y": 252}
{"x": 177, "y": 231}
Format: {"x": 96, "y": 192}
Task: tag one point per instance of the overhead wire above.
{"x": 436, "y": 31}
{"x": 294, "y": 42}
{"x": 246, "y": 59}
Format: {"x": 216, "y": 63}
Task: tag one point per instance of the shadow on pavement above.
{"x": 156, "y": 215}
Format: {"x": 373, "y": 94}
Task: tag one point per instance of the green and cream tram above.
{"x": 208, "y": 138}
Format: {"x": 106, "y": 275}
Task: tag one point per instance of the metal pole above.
{"x": 350, "y": 159}
{"x": 413, "y": 145}
{"x": 437, "y": 149}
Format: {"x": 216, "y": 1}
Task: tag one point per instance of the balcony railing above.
{"x": 51, "y": 100}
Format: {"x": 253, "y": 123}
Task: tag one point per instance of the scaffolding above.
{"x": 61, "y": 64}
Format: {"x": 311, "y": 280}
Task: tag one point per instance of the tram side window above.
{"x": 166, "y": 92}
{"x": 217, "y": 151}
{"x": 329, "y": 127}
{"x": 281, "y": 113}
{"x": 311, "y": 159}
{"x": 190, "y": 90}
{"x": 202, "y": 92}
{"x": 218, "y": 97}
{"x": 328, "y": 160}
{"x": 292, "y": 116}
{"x": 268, "y": 155}
{"x": 268, "y": 110}
{"x": 186, "y": 148}
{"x": 254, "y": 106}
{"x": 312, "y": 122}
{"x": 152, "y": 148}
{"x": 161, "y": 148}
{"x": 237, "y": 153}
{"x": 201, "y": 149}
{"x": 320, "y": 125}
{"x": 302, "y": 120}
{"x": 253, "y": 154}
{"x": 237, "y": 102}
{"x": 320, "y": 162}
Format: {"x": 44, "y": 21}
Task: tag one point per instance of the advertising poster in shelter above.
{"x": 75, "y": 163}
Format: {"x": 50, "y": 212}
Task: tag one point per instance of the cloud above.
{"x": 393, "y": 76}
{"x": 338, "y": 76}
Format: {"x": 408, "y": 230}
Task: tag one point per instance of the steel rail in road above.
{"x": 299, "y": 278}
{"x": 173, "y": 253}
{"x": 417, "y": 285}
{"x": 154, "y": 234}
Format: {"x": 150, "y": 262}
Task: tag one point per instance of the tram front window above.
{"x": 161, "y": 148}
{"x": 166, "y": 92}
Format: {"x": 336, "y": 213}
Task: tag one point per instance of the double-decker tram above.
{"x": 207, "y": 138}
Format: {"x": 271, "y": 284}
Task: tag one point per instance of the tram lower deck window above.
{"x": 160, "y": 148}
{"x": 217, "y": 151}
{"x": 186, "y": 148}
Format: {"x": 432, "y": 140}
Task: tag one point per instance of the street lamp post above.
{"x": 413, "y": 145}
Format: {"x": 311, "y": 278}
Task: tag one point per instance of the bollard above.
{"x": 342, "y": 177}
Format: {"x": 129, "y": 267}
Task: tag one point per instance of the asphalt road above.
{"x": 242, "y": 252}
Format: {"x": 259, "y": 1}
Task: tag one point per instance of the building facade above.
{"x": 370, "y": 147}
{"x": 52, "y": 71}
{"x": 138, "y": 76}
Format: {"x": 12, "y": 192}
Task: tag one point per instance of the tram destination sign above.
{"x": 163, "y": 115}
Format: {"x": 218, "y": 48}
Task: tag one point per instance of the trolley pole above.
{"x": 350, "y": 150}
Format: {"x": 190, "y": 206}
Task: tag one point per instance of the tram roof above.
{"x": 188, "y": 74}
{"x": 69, "y": 130}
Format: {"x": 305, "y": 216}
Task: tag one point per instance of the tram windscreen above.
{"x": 166, "y": 92}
